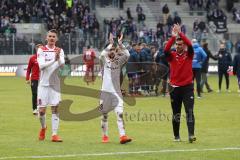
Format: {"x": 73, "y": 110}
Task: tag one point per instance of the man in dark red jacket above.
{"x": 33, "y": 70}
{"x": 181, "y": 80}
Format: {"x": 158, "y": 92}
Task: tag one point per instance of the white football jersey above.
{"x": 112, "y": 69}
{"x": 48, "y": 66}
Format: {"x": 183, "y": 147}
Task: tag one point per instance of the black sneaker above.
{"x": 210, "y": 90}
{"x": 191, "y": 139}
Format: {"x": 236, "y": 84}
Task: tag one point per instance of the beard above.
{"x": 111, "y": 55}
{"x": 179, "y": 50}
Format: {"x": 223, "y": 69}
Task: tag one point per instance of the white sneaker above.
{"x": 35, "y": 112}
{"x": 238, "y": 91}
{"x": 229, "y": 91}
{"x": 218, "y": 91}
{"x": 176, "y": 139}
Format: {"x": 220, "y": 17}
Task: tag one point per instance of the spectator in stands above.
{"x": 146, "y": 59}
{"x": 210, "y": 4}
{"x": 162, "y": 61}
{"x": 237, "y": 46}
{"x": 165, "y": 12}
{"x": 141, "y": 19}
{"x": 133, "y": 67}
{"x": 229, "y": 5}
{"x": 160, "y": 34}
{"x": 200, "y": 4}
{"x": 236, "y": 15}
{"x": 195, "y": 29}
{"x": 191, "y": 4}
{"x": 204, "y": 36}
{"x": 201, "y": 29}
{"x": 178, "y": 2}
{"x": 229, "y": 45}
{"x": 129, "y": 15}
{"x": 177, "y": 19}
{"x": 202, "y": 25}
{"x": 139, "y": 9}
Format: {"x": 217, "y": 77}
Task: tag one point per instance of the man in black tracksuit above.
{"x": 224, "y": 62}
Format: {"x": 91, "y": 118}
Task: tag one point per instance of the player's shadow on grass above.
{"x": 65, "y": 105}
{"x": 64, "y": 108}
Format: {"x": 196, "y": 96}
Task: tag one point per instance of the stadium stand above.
{"x": 88, "y": 22}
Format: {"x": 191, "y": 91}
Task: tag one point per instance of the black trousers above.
{"x": 220, "y": 76}
{"x": 197, "y": 76}
{"x": 178, "y": 96}
{"x": 34, "y": 87}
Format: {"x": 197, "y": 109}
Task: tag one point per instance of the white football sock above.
{"x": 43, "y": 120}
{"x": 55, "y": 123}
{"x": 104, "y": 125}
{"x": 120, "y": 124}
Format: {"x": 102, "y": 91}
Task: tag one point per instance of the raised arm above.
{"x": 106, "y": 50}
{"x": 126, "y": 54}
{"x": 187, "y": 42}
{"x": 168, "y": 46}
{"x": 167, "y": 49}
{"x": 124, "y": 57}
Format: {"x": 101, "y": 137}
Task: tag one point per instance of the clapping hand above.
{"x": 111, "y": 41}
{"x": 120, "y": 39}
{"x": 57, "y": 51}
{"x": 176, "y": 30}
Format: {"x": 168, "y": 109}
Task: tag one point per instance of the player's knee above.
{"x": 41, "y": 113}
{"x": 119, "y": 116}
{"x": 54, "y": 110}
{"x": 104, "y": 117}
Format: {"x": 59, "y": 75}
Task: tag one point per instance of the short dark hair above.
{"x": 53, "y": 31}
{"x": 134, "y": 44}
{"x": 205, "y": 45}
{"x": 179, "y": 39}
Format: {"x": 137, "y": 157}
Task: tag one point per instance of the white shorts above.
{"x": 47, "y": 96}
{"x": 111, "y": 101}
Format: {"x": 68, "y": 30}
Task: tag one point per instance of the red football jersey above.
{"x": 33, "y": 68}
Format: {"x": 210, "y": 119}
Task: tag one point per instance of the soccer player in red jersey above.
{"x": 181, "y": 80}
{"x": 88, "y": 58}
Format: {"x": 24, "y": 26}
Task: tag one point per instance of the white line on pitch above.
{"x": 122, "y": 153}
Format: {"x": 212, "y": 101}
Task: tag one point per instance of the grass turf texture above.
{"x": 217, "y": 126}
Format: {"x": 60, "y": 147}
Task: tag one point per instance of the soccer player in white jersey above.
{"x": 112, "y": 59}
{"x": 49, "y": 58}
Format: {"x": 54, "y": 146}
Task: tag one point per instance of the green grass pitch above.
{"x": 217, "y": 127}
